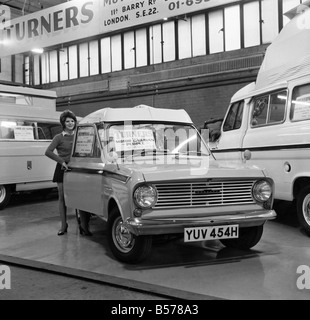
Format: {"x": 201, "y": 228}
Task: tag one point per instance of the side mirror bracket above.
{"x": 112, "y": 157}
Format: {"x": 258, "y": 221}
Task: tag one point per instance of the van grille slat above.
{"x": 204, "y": 194}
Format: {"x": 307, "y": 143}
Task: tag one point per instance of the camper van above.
{"x": 146, "y": 172}
{"x": 28, "y": 123}
{"x": 268, "y": 122}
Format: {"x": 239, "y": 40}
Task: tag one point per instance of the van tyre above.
{"x": 125, "y": 246}
{"x": 44, "y": 193}
{"x": 5, "y": 196}
{"x": 248, "y": 238}
{"x": 303, "y": 209}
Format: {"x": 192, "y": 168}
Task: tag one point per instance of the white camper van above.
{"x": 268, "y": 122}
{"x": 28, "y": 123}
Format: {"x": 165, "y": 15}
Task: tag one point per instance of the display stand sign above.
{"x": 23, "y": 133}
{"x": 85, "y": 141}
{"x": 129, "y": 140}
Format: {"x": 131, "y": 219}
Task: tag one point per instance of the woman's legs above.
{"x": 62, "y": 207}
{"x": 85, "y": 217}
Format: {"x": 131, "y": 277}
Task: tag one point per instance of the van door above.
{"x": 228, "y": 146}
{"x": 85, "y": 178}
{"x": 267, "y": 136}
{"x": 22, "y": 159}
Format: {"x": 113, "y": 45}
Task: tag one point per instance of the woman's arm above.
{"x": 51, "y": 148}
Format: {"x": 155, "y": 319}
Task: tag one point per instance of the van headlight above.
{"x": 145, "y": 196}
{"x": 262, "y": 191}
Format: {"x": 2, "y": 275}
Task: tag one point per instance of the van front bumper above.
{"x": 139, "y": 226}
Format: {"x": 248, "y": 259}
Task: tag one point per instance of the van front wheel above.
{"x": 5, "y": 196}
{"x": 125, "y": 246}
{"x": 303, "y": 209}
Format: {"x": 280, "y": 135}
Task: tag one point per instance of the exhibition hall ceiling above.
{"x": 29, "y": 6}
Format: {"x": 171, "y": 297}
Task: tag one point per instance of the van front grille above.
{"x": 204, "y": 194}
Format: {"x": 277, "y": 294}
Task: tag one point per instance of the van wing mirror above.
{"x": 214, "y": 126}
{"x": 112, "y": 157}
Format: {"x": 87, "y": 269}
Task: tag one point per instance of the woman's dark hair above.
{"x": 67, "y": 114}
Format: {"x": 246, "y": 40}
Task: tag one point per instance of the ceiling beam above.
{"x": 30, "y": 6}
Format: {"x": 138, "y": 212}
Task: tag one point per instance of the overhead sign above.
{"x": 118, "y": 14}
{"x": 79, "y": 19}
{"x": 70, "y": 21}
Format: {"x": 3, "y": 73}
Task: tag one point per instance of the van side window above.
{"x": 24, "y": 130}
{"x": 7, "y": 129}
{"x": 16, "y": 99}
{"x": 234, "y": 117}
{"x": 17, "y": 130}
{"x": 300, "y": 109}
{"x": 269, "y": 109}
{"x": 47, "y": 131}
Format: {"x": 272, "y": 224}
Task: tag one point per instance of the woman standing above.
{"x": 63, "y": 144}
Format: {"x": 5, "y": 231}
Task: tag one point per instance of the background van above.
{"x": 268, "y": 122}
{"x": 28, "y": 123}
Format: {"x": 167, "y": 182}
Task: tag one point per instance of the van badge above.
{"x": 208, "y": 191}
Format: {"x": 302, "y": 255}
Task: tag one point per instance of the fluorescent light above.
{"x": 282, "y": 97}
{"x": 8, "y": 124}
{"x": 39, "y": 51}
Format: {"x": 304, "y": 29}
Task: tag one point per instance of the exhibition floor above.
{"x": 28, "y": 237}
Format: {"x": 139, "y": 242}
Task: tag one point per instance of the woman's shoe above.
{"x": 63, "y": 232}
{"x": 84, "y": 232}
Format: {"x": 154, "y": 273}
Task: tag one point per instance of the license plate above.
{"x": 211, "y": 233}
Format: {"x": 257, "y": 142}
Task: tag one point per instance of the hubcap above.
{"x": 2, "y": 193}
{"x": 122, "y": 238}
{"x": 306, "y": 209}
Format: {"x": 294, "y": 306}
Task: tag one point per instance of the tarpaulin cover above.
{"x": 288, "y": 56}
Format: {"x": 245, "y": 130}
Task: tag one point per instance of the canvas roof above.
{"x": 138, "y": 113}
{"x": 288, "y": 57}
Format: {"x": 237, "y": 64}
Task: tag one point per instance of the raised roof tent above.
{"x": 288, "y": 57}
{"x": 138, "y": 113}
{"x": 28, "y": 91}
{"x": 27, "y": 97}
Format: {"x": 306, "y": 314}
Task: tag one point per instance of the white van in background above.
{"x": 28, "y": 123}
{"x": 268, "y": 122}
